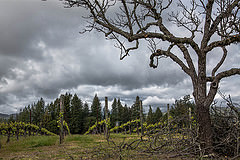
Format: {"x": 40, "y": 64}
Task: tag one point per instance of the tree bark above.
{"x": 203, "y": 115}
{"x": 205, "y": 128}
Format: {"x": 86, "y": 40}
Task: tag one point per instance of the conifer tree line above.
{"x": 79, "y": 116}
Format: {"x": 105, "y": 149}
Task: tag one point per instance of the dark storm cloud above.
{"x": 25, "y": 23}
{"x": 43, "y": 55}
{"x": 2, "y": 99}
{"x": 100, "y": 65}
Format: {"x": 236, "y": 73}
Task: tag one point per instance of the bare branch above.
{"x": 229, "y": 103}
{"x": 208, "y": 19}
{"x": 188, "y": 60}
{"x": 223, "y": 43}
{"x": 226, "y": 10}
{"x": 124, "y": 51}
{"x": 169, "y": 54}
{"x": 220, "y": 62}
{"x": 223, "y": 14}
{"x": 228, "y": 73}
{"x": 188, "y": 18}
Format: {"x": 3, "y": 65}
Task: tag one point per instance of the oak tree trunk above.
{"x": 202, "y": 108}
{"x": 205, "y": 128}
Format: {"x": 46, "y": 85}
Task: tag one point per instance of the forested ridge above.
{"x": 80, "y": 115}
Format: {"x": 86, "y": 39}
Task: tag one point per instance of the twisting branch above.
{"x": 220, "y": 62}
{"x": 215, "y": 82}
{"x": 169, "y": 54}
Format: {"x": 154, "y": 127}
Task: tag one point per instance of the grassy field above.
{"x": 74, "y": 147}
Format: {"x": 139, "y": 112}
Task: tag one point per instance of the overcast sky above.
{"x": 42, "y": 54}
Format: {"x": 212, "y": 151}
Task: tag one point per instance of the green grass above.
{"x": 28, "y": 143}
{"x": 74, "y": 147}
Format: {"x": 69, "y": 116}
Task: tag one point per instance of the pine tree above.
{"x": 150, "y": 116}
{"x": 96, "y": 108}
{"x": 120, "y": 117}
{"x": 46, "y": 117}
{"x": 136, "y": 109}
{"x": 52, "y": 109}
{"x": 38, "y": 112}
{"x": 126, "y": 114}
{"x": 76, "y": 123}
{"x": 24, "y": 116}
{"x": 67, "y": 107}
{"x": 114, "y": 113}
{"x": 51, "y": 125}
{"x": 157, "y": 115}
{"x": 85, "y": 117}
{"x": 181, "y": 109}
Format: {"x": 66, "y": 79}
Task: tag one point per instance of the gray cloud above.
{"x": 42, "y": 55}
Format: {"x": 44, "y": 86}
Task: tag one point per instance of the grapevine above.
{"x": 21, "y": 129}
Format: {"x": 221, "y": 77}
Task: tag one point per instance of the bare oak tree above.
{"x": 210, "y": 25}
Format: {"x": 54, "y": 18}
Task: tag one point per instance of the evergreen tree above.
{"x": 85, "y": 117}
{"x": 76, "y": 123}
{"x": 50, "y": 118}
{"x": 53, "y": 111}
{"x": 136, "y": 109}
{"x": 85, "y": 110}
{"x": 120, "y": 117}
{"x": 126, "y": 115}
{"x": 38, "y": 112}
{"x": 67, "y": 107}
{"x": 96, "y": 108}
{"x": 24, "y": 115}
{"x": 46, "y": 117}
{"x": 150, "y": 116}
{"x": 114, "y": 113}
{"x": 157, "y": 115}
{"x": 181, "y": 109}
{"x": 182, "y": 106}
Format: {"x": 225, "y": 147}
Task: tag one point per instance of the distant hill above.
{"x": 4, "y": 116}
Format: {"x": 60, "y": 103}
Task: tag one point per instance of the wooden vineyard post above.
{"x": 106, "y": 118}
{"x": 237, "y": 136}
{"x": 0, "y": 143}
{"x": 61, "y": 134}
{"x": 190, "y": 123}
{"x": 141, "y": 118}
{"x": 30, "y": 116}
{"x": 168, "y": 122}
{"x": 130, "y": 131}
{"x": 29, "y": 132}
{"x": 190, "y": 118}
{"x": 137, "y": 129}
